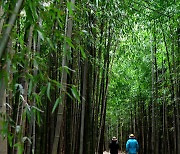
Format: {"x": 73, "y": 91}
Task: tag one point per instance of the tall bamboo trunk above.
{"x": 2, "y": 19}
{"x": 105, "y": 82}
{"x": 177, "y": 88}
{"x": 68, "y": 33}
{"x": 153, "y": 108}
{"x": 30, "y": 39}
{"x": 98, "y": 93}
{"x": 156, "y": 94}
{"x": 175, "y": 60}
{"x": 172, "y": 93}
{"x": 164, "y": 150}
{"x": 3, "y": 141}
{"x": 6, "y": 34}
{"x": 3, "y": 93}
{"x": 84, "y": 97}
{"x": 148, "y": 130}
{"x": 37, "y": 48}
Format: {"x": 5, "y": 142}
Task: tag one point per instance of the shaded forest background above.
{"x": 75, "y": 73}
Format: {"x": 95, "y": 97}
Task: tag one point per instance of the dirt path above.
{"x": 105, "y": 152}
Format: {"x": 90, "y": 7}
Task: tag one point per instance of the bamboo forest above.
{"x": 76, "y": 73}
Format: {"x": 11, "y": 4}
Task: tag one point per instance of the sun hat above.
{"x": 114, "y": 138}
{"x": 131, "y": 136}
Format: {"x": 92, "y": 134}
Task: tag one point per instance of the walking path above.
{"x": 105, "y": 152}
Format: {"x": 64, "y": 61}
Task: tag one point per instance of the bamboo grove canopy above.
{"x": 73, "y": 74}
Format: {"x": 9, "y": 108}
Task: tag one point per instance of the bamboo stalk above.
{"x": 6, "y": 34}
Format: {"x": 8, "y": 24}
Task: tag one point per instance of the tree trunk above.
{"x": 3, "y": 93}
{"x": 172, "y": 92}
{"x": 98, "y": 93}
{"x": 31, "y": 123}
{"x": 156, "y": 94}
{"x": 6, "y": 34}
{"x": 2, "y": 19}
{"x": 153, "y": 108}
{"x": 68, "y": 33}
{"x": 105, "y": 82}
{"x": 177, "y": 88}
{"x": 3, "y": 141}
{"x": 84, "y": 97}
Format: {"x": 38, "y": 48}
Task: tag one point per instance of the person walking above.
{"x": 132, "y": 145}
{"x": 114, "y": 146}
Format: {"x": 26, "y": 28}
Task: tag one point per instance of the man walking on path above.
{"x": 114, "y": 146}
{"x": 132, "y": 145}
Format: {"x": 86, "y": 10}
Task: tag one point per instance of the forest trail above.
{"x": 105, "y": 152}
{"x": 75, "y": 74}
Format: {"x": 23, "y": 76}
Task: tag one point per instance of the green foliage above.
{"x": 131, "y": 77}
{"x": 48, "y": 90}
{"x": 75, "y": 93}
{"x": 130, "y": 26}
{"x": 58, "y": 101}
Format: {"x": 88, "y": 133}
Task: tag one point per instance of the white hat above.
{"x": 114, "y": 138}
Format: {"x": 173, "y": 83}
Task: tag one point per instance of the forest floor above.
{"x": 105, "y": 152}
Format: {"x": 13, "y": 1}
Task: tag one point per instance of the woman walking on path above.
{"x": 132, "y": 145}
{"x": 114, "y": 146}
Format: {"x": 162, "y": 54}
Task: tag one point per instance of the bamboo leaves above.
{"x": 48, "y": 90}
{"x": 74, "y": 66}
{"x": 82, "y": 52}
{"x": 58, "y": 101}
{"x": 70, "y": 7}
{"x": 75, "y": 93}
